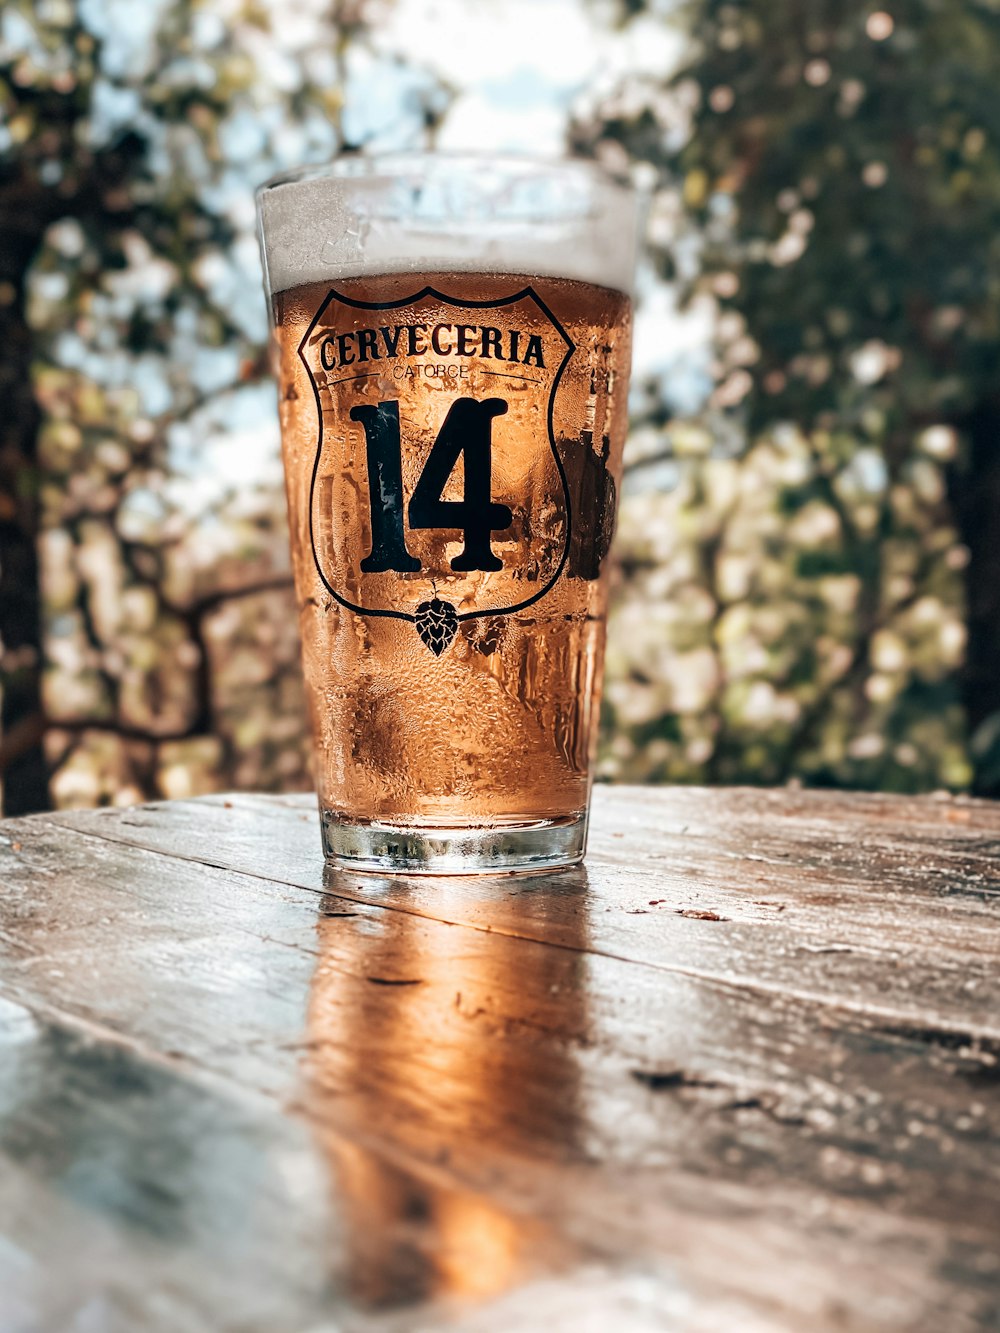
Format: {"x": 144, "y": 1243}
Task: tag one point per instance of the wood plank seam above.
{"x": 889, "y": 1019}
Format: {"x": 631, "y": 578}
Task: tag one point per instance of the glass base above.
{"x": 392, "y": 849}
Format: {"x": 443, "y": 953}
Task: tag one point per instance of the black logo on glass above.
{"x": 405, "y": 521}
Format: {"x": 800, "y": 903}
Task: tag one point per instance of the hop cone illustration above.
{"x": 437, "y": 624}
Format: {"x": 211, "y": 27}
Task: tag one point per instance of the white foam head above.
{"x": 429, "y": 212}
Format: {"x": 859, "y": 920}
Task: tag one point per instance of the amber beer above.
{"x": 452, "y": 443}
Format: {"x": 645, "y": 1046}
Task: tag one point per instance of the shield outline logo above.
{"x": 527, "y": 292}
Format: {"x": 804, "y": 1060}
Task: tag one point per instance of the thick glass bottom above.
{"x": 389, "y": 849}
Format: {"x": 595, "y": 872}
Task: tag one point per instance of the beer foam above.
{"x": 430, "y": 213}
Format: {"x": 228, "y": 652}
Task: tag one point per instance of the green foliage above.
{"x": 837, "y": 179}
{"x": 131, "y": 141}
{"x": 793, "y": 598}
{"x": 747, "y": 646}
{"x": 845, "y": 163}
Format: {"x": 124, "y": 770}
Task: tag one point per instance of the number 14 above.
{"x": 467, "y": 430}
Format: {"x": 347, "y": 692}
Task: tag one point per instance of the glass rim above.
{"x": 394, "y": 164}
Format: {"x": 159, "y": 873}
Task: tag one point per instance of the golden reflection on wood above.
{"x": 395, "y": 1005}
{"x": 410, "y": 1240}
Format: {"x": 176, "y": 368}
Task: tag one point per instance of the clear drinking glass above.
{"x": 452, "y": 343}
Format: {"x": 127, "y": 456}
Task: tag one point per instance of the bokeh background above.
{"x": 809, "y": 542}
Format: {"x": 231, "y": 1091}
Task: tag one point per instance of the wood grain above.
{"x": 740, "y": 1073}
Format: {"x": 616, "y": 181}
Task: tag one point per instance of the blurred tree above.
{"x": 841, "y": 165}
{"x": 41, "y": 176}
{"x": 792, "y": 607}
{"x": 131, "y": 137}
{"x": 741, "y": 645}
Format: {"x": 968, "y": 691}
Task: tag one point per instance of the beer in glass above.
{"x": 452, "y": 341}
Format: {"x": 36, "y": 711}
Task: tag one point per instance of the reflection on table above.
{"x": 405, "y": 1033}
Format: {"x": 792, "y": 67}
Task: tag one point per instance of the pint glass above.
{"x": 452, "y": 341}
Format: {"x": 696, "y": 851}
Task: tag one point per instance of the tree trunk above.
{"x": 22, "y": 760}
{"x": 974, "y": 486}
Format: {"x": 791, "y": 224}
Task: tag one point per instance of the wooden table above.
{"x": 739, "y": 1075}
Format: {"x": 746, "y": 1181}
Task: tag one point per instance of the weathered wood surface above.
{"x": 740, "y": 1074}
